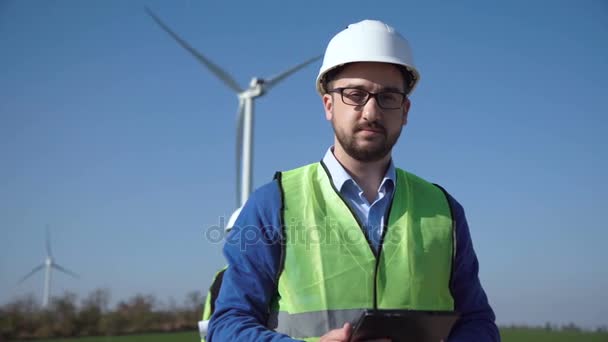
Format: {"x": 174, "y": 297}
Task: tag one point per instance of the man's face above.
{"x": 367, "y": 132}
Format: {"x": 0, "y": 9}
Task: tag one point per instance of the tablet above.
{"x": 404, "y": 325}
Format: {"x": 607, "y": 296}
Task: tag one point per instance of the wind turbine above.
{"x": 48, "y": 265}
{"x": 244, "y": 130}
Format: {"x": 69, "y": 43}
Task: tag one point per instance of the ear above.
{"x": 406, "y": 109}
{"x": 328, "y": 105}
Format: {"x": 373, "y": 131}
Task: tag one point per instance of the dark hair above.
{"x": 408, "y": 77}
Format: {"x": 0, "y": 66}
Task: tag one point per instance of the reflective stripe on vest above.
{"x": 329, "y": 271}
{"x": 311, "y": 324}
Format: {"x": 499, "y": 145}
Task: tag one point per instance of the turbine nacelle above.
{"x": 256, "y": 89}
{"x": 256, "y": 86}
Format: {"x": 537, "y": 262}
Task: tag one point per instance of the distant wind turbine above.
{"x": 244, "y": 131}
{"x": 48, "y": 265}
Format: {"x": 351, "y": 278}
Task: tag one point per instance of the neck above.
{"x": 368, "y": 175}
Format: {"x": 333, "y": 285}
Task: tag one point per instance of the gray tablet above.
{"x": 404, "y": 325}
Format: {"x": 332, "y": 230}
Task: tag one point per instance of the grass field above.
{"x": 508, "y": 335}
{"x": 169, "y": 337}
{"x": 540, "y": 335}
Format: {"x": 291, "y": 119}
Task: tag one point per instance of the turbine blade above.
{"x": 215, "y": 69}
{"x": 48, "y": 241}
{"x": 36, "y": 269}
{"x": 65, "y": 270}
{"x": 278, "y": 78}
{"x": 239, "y": 151}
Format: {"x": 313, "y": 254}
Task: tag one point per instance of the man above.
{"x": 319, "y": 244}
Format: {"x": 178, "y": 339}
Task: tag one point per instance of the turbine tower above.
{"x": 48, "y": 265}
{"x": 244, "y": 130}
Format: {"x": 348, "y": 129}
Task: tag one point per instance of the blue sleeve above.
{"x": 253, "y": 252}
{"x": 477, "y": 322}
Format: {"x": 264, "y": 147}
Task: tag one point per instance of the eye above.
{"x": 390, "y": 98}
{"x": 355, "y": 95}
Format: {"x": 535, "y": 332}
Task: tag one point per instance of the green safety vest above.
{"x": 330, "y": 273}
{"x": 209, "y": 305}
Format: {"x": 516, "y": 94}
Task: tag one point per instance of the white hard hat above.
{"x": 368, "y": 41}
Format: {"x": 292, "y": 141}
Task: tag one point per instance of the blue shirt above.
{"x": 371, "y": 216}
{"x": 253, "y": 252}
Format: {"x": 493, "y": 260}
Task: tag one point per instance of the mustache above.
{"x": 371, "y": 125}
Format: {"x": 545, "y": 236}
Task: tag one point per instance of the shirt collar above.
{"x": 340, "y": 177}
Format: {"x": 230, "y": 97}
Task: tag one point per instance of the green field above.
{"x": 540, "y": 335}
{"x": 168, "y": 337}
{"x": 508, "y": 335}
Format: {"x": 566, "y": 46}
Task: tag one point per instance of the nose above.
{"x": 371, "y": 110}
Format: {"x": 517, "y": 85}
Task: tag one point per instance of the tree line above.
{"x": 66, "y": 316}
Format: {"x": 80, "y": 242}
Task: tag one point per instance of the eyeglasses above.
{"x": 359, "y": 97}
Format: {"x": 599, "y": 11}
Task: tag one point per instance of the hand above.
{"x": 337, "y": 335}
{"x": 343, "y": 334}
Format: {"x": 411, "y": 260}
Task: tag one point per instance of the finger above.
{"x": 344, "y": 333}
{"x": 336, "y": 335}
{"x": 348, "y": 328}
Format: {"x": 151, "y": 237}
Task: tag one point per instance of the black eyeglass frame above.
{"x": 340, "y": 91}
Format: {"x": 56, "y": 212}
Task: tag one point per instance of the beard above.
{"x": 363, "y": 149}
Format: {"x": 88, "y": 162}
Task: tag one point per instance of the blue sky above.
{"x": 120, "y": 141}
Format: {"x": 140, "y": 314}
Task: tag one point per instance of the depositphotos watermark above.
{"x": 327, "y": 233}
